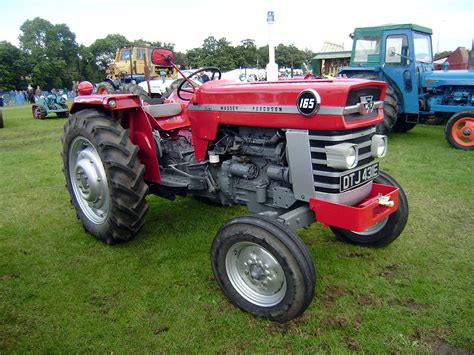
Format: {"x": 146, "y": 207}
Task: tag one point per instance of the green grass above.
{"x": 62, "y": 291}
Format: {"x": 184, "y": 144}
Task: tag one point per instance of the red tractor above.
{"x": 293, "y": 152}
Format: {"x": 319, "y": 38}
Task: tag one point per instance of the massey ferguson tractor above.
{"x": 293, "y": 152}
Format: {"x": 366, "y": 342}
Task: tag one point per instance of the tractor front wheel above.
{"x": 388, "y": 229}
{"x": 104, "y": 176}
{"x": 460, "y": 130}
{"x": 263, "y": 267}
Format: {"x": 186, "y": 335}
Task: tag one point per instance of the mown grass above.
{"x": 62, "y": 291}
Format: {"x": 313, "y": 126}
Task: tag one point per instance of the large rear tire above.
{"x": 105, "y": 88}
{"x": 390, "y": 106}
{"x": 104, "y": 176}
{"x": 459, "y": 131}
{"x": 263, "y": 267}
{"x": 135, "y": 89}
{"x": 387, "y": 230}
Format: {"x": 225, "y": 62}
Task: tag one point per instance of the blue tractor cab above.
{"x": 402, "y": 56}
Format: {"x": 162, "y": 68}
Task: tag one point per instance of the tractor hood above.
{"x": 438, "y": 78}
{"x": 316, "y": 105}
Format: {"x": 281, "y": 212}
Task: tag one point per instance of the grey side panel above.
{"x": 299, "y": 161}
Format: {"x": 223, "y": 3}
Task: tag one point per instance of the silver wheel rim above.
{"x": 255, "y": 274}
{"x": 374, "y": 229}
{"x": 89, "y": 180}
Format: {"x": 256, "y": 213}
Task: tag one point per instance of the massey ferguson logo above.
{"x": 367, "y": 105}
{"x": 308, "y": 102}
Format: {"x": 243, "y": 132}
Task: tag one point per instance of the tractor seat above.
{"x": 163, "y": 110}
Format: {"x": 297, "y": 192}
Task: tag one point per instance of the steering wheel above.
{"x": 203, "y": 78}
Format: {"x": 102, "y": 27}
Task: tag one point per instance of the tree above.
{"x": 246, "y": 54}
{"x": 52, "y": 53}
{"x": 104, "y": 50}
{"x": 13, "y": 68}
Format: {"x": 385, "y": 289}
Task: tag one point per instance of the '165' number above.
{"x": 307, "y": 103}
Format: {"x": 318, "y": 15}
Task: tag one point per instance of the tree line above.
{"x": 49, "y": 56}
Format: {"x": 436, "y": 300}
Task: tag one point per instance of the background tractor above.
{"x": 132, "y": 66}
{"x": 402, "y": 56}
{"x": 292, "y": 152}
{"x": 53, "y": 103}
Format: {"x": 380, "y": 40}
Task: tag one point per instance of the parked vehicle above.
{"x": 53, "y": 103}
{"x": 402, "y": 56}
{"x": 292, "y": 152}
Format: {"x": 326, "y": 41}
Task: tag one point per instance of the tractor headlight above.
{"x": 342, "y": 156}
{"x": 379, "y": 146}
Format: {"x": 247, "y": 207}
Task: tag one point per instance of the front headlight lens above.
{"x": 342, "y": 156}
{"x": 379, "y": 146}
{"x": 351, "y": 158}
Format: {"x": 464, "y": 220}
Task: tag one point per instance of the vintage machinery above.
{"x": 131, "y": 67}
{"x": 53, "y": 103}
{"x": 294, "y": 152}
{"x": 402, "y": 56}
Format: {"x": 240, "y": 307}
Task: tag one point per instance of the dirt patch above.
{"x": 11, "y": 276}
{"x": 368, "y": 300}
{"x": 409, "y": 303}
{"x": 335, "y": 322}
{"x": 276, "y": 328}
{"x": 390, "y": 271}
{"x": 357, "y": 321}
{"x": 436, "y": 340}
{"x": 351, "y": 343}
{"x": 359, "y": 254}
{"x": 447, "y": 349}
{"x": 225, "y": 306}
{"x": 161, "y": 329}
{"x": 105, "y": 304}
{"x": 332, "y": 293}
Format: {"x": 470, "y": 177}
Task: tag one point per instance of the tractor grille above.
{"x": 328, "y": 179}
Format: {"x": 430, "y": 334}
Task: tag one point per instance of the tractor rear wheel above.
{"x": 104, "y": 176}
{"x": 105, "y": 88}
{"x": 38, "y": 112}
{"x": 390, "y": 106}
{"x": 402, "y": 126}
{"x": 387, "y": 230}
{"x": 263, "y": 267}
{"x": 460, "y": 130}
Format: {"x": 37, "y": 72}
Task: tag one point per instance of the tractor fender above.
{"x": 127, "y": 109}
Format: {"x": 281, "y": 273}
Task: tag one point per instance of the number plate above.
{"x": 359, "y": 177}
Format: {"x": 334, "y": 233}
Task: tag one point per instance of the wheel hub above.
{"x": 255, "y": 274}
{"x": 467, "y": 132}
{"x": 89, "y": 180}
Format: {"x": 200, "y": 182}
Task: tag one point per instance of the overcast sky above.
{"x": 186, "y": 23}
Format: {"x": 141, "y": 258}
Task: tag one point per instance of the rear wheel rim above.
{"x": 463, "y": 132}
{"x": 89, "y": 180}
{"x": 255, "y": 274}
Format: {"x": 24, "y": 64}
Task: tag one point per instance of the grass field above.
{"x": 62, "y": 291}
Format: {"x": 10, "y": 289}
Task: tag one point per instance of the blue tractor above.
{"x": 402, "y": 56}
{"x": 53, "y": 103}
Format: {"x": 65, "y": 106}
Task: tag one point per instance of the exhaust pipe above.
{"x": 470, "y": 63}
